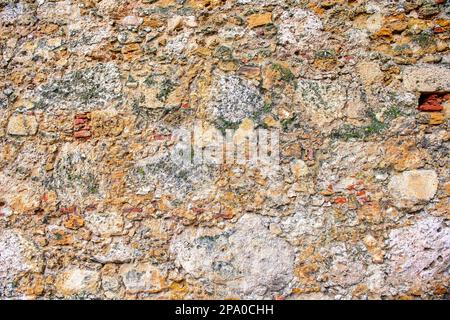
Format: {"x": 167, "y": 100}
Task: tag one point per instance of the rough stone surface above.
{"x": 22, "y": 125}
{"x": 248, "y": 259}
{"x": 105, "y": 224}
{"x": 87, "y": 88}
{"x": 233, "y": 99}
{"x": 75, "y": 281}
{"x": 420, "y": 252}
{"x": 93, "y": 94}
{"x": 427, "y": 78}
{"x": 141, "y": 278}
{"x": 414, "y": 187}
{"x": 117, "y": 252}
{"x": 18, "y": 256}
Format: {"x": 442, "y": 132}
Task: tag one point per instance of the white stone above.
{"x": 190, "y": 21}
{"x": 117, "y": 252}
{"x": 420, "y": 252}
{"x": 77, "y": 281}
{"x": 428, "y": 78}
{"x": 17, "y": 255}
{"x": 299, "y": 28}
{"x": 132, "y": 21}
{"x": 413, "y": 187}
{"x": 22, "y": 125}
{"x": 105, "y": 224}
{"x": 173, "y": 23}
{"x": 374, "y": 22}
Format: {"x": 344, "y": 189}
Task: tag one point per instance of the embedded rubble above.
{"x": 93, "y": 91}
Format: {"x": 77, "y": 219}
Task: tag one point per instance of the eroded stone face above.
{"x": 18, "y": 256}
{"x": 163, "y": 176}
{"x": 94, "y": 204}
{"x": 117, "y": 251}
{"x": 18, "y": 12}
{"x": 82, "y": 89}
{"x": 246, "y": 258}
{"x": 141, "y": 278}
{"x": 322, "y": 102}
{"x": 426, "y": 78}
{"x": 347, "y": 268}
{"x": 76, "y": 281}
{"x": 299, "y": 28}
{"x": 74, "y": 173}
{"x": 105, "y": 224}
{"x": 233, "y": 99}
{"x": 419, "y": 253}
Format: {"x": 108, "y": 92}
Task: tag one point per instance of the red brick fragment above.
{"x": 432, "y": 103}
{"x": 160, "y": 137}
{"x": 360, "y": 193}
{"x": 364, "y": 199}
{"x": 81, "y": 125}
{"x": 132, "y": 210}
{"x": 79, "y": 121}
{"x": 340, "y": 200}
{"x": 71, "y": 209}
{"x": 82, "y": 134}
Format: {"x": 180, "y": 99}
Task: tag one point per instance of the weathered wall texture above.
{"x": 92, "y": 207}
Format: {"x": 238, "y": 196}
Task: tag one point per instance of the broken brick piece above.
{"x": 79, "y": 121}
{"x": 340, "y": 200}
{"x": 82, "y": 134}
{"x": 81, "y": 125}
{"x": 71, "y": 209}
{"x": 432, "y": 102}
{"x": 132, "y": 210}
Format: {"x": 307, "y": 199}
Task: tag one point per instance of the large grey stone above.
{"x": 233, "y": 99}
{"x": 247, "y": 257}
{"x": 83, "y": 89}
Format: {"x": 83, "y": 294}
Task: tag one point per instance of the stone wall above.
{"x": 91, "y": 92}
